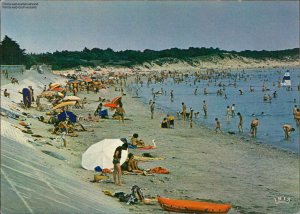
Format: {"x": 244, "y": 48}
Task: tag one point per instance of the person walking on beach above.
{"x": 120, "y": 112}
{"x": 152, "y": 109}
{"x": 287, "y": 128}
{"x": 204, "y": 107}
{"x": 218, "y": 125}
{"x": 254, "y": 124}
{"x": 31, "y": 93}
{"x": 116, "y": 161}
{"x": 172, "y": 95}
{"x": 240, "y": 125}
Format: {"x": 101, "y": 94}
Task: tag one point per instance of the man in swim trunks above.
{"x": 254, "y": 125}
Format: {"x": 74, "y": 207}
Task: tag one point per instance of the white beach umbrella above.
{"x": 101, "y": 154}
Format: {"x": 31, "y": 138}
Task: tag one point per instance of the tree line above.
{"x": 11, "y": 53}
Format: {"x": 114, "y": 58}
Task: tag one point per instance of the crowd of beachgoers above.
{"x": 70, "y": 111}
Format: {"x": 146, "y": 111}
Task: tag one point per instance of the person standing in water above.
{"x": 254, "y": 124}
{"x": 240, "y": 125}
{"x": 172, "y": 95}
{"x": 204, "y": 107}
{"x": 228, "y": 110}
{"x": 183, "y": 111}
{"x": 233, "y": 110}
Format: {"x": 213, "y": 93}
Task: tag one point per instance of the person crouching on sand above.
{"x": 116, "y": 161}
{"x": 287, "y": 130}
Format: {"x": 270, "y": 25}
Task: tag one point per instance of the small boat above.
{"x": 286, "y": 81}
{"x": 188, "y": 206}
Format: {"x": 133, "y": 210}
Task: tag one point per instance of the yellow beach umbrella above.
{"x": 63, "y": 104}
{"x": 71, "y": 98}
{"x": 54, "y": 85}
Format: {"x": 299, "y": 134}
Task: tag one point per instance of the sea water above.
{"x": 276, "y": 113}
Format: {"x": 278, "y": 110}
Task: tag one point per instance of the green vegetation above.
{"x": 11, "y": 53}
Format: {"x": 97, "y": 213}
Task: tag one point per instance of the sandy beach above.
{"x": 203, "y": 165}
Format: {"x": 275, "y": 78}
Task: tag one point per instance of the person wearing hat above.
{"x": 116, "y": 161}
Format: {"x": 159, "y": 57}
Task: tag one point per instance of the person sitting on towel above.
{"x": 131, "y": 165}
{"x": 136, "y": 142}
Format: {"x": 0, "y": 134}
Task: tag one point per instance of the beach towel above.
{"x": 106, "y": 170}
{"x": 22, "y": 123}
{"x": 141, "y": 158}
{"x": 132, "y": 147}
{"x": 159, "y": 170}
{"x": 147, "y": 147}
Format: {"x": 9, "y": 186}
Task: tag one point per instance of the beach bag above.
{"x": 98, "y": 169}
{"x": 134, "y": 197}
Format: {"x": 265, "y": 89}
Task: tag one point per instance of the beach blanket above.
{"x": 141, "y": 158}
{"x": 147, "y": 147}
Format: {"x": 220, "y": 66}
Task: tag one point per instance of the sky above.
{"x": 156, "y": 25}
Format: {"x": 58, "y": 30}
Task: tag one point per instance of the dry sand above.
{"x": 203, "y": 164}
